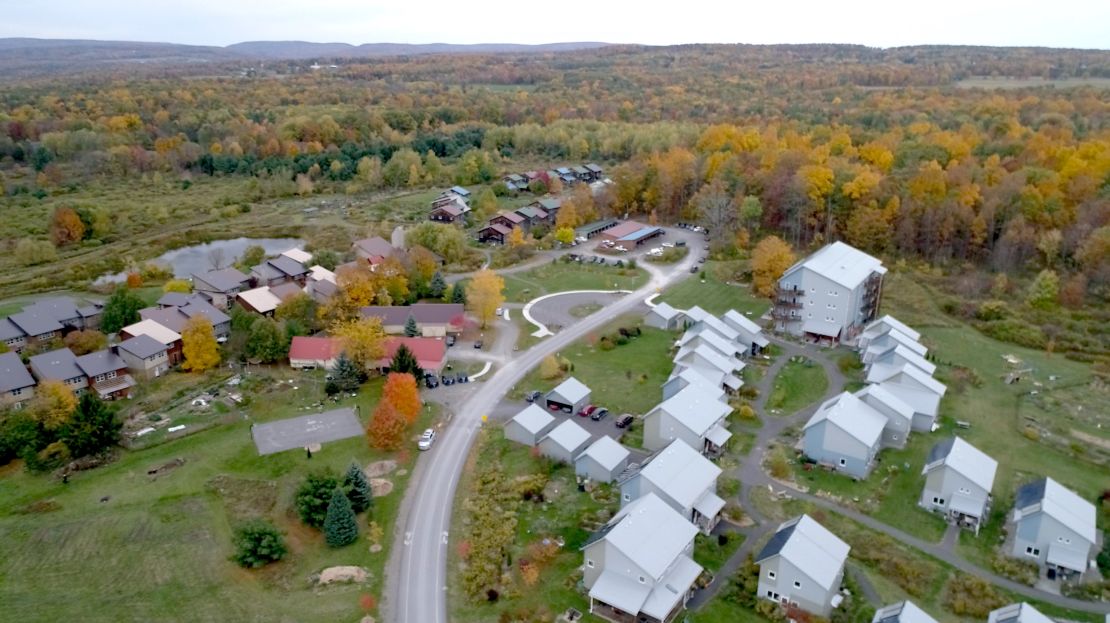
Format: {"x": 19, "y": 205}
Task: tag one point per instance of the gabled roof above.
{"x": 9, "y": 330}
{"x": 428, "y": 351}
{"x": 569, "y": 436}
{"x": 810, "y": 547}
{"x": 424, "y": 313}
{"x": 681, "y": 472}
{"x": 288, "y": 265}
{"x": 692, "y": 377}
{"x": 261, "y": 299}
{"x": 56, "y": 365}
{"x": 13, "y": 374}
{"x": 1060, "y": 503}
{"x": 1017, "y": 613}
{"x": 286, "y": 291}
{"x": 741, "y": 323}
{"x": 593, "y": 168}
{"x": 205, "y": 309}
{"x": 916, "y": 377}
{"x": 623, "y": 229}
{"x": 168, "y": 317}
{"x": 665, "y": 311}
{"x": 884, "y": 401}
{"x": 714, "y": 340}
{"x": 35, "y": 322}
{"x": 695, "y": 409}
{"x": 888, "y": 322}
{"x": 853, "y": 416}
{"x": 534, "y": 419}
{"x": 56, "y": 307}
{"x": 298, "y": 255}
{"x": 154, "y": 330}
{"x": 965, "y": 459}
{"x": 712, "y": 357}
{"x": 142, "y": 346}
{"x": 224, "y": 280}
{"x": 550, "y": 204}
{"x": 319, "y": 273}
{"x": 920, "y": 400}
{"x": 376, "y": 246}
{"x": 902, "y": 612}
{"x": 605, "y": 451}
{"x": 895, "y": 357}
{"x": 512, "y": 217}
{"x": 459, "y": 190}
{"x": 892, "y": 338}
{"x": 571, "y": 390}
{"x": 841, "y": 263}
{"x": 100, "y": 362}
{"x": 712, "y": 322}
{"x": 649, "y": 520}
{"x": 497, "y": 227}
{"x": 305, "y": 348}
{"x": 174, "y": 299}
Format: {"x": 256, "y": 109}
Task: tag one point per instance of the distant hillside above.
{"x": 306, "y": 49}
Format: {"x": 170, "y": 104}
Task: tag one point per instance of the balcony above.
{"x": 109, "y": 387}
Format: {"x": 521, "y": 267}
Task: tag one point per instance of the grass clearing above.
{"x": 561, "y": 277}
{"x": 717, "y": 294}
{"x": 799, "y": 383}
{"x": 711, "y": 554}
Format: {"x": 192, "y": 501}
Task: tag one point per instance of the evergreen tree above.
{"x": 438, "y": 287}
{"x": 458, "y": 293}
{"x": 358, "y": 489}
{"x": 121, "y": 309}
{"x": 340, "y": 525}
{"x": 312, "y": 499}
{"x": 257, "y": 544}
{"x": 404, "y": 361}
{"x": 92, "y": 428}
{"x": 347, "y": 375}
{"x": 411, "y": 328}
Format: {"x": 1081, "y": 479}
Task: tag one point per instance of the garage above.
{"x": 569, "y": 397}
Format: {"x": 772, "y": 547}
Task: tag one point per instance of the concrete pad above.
{"x": 306, "y": 430}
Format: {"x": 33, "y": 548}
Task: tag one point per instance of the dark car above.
{"x": 430, "y": 382}
{"x": 450, "y": 340}
{"x": 446, "y": 380}
{"x": 680, "y": 243}
{"x": 478, "y": 344}
{"x": 694, "y": 268}
{"x": 533, "y": 396}
{"x": 625, "y": 421}
{"x": 600, "y": 413}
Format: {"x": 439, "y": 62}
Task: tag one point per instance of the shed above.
{"x": 570, "y": 396}
{"x": 603, "y": 461}
{"x": 529, "y": 426}
{"x": 565, "y": 442}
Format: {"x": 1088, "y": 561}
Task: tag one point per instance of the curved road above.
{"x": 416, "y": 582}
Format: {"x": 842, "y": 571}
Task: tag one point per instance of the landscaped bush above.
{"x": 849, "y": 363}
{"x": 967, "y": 595}
{"x": 257, "y": 544}
{"x": 1024, "y": 571}
{"x": 1094, "y": 591}
{"x": 313, "y": 497}
{"x": 880, "y": 551}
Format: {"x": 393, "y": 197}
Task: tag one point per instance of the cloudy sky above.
{"x": 883, "y": 23}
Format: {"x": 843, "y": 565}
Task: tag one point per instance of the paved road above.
{"x": 416, "y": 582}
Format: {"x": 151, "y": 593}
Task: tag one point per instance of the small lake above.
{"x": 199, "y": 257}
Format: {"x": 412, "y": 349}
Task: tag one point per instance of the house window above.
{"x": 938, "y": 501}
{"x": 627, "y": 497}
{"x": 643, "y": 580}
{"x": 1064, "y": 540}
{"x": 770, "y": 575}
{"x": 99, "y": 378}
{"x": 17, "y": 391}
{"x": 772, "y": 595}
{"x": 1032, "y": 551}
{"x": 894, "y": 437}
{"x": 797, "y": 584}
{"x": 589, "y": 563}
{"x": 843, "y": 462}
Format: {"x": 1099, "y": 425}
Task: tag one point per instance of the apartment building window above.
{"x": 643, "y": 580}
{"x": 1032, "y": 551}
{"x": 797, "y": 584}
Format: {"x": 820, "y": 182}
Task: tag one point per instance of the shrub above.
{"x": 313, "y": 497}
{"x": 257, "y": 544}
{"x": 967, "y": 595}
{"x": 746, "y": 412}
{"x": 780, "y": 465}
{"x": 606, "y": 344}
{"x": 849, "y": 363}
{"x": 1024, "y": 571}
{"x": 992, "y": 310}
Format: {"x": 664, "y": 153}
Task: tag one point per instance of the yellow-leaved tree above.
{"x": 53, "y": 404}
{"x": 771, "y": 257}
{"x": 484, "y": 294}
{"x": 198, "y": 344}
{"x": 362, "y": 340}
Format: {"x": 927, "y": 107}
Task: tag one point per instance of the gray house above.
{"x": 958, "y": 481}
{"x": 60, "y": 365}
{"x": 221, "y": 286}
{"x": 802, "y": 566}
{"x": 145, "y": 356}
{"x": 727, "y": 348}
{"x": 888, "y": 340}
{"x": 529, "y": 426}
{"x": 688, "y": 377}
{"x": 882, "y": 326}
{"x": 1017, "y": 613}
{"x": 715, "y": 367}
{"x": 919, "y": 390}
{"x": 830, "y": 295}
{"x": 603, "y": 461}
{"x": 565, "y": 442}
{"x": 893, "y": 360}
{"x": 1055, "y": 527}
{"x": 899, "y": 415}
{"x": 640, "y": 566}
{"x": 692, "y": 415}
{"x": 571, "y": 396}
{"x": 902, "y": 612}
{"x": 846, "y": 433}
{"x": 16, "y": 384}
{"x": 663, "y": 316}
{"x": 684, "y": 479}
{"x": 697, "y": 320}
{"x": 748, "y": 333}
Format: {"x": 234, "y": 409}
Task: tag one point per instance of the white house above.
{"x": 919, "y": 390}
{"x": 1017, "y": 613}
{"x": 1054, "y": 526}
{"x": 846, "y": 433}
{"x": 802, "y": 566}
{"x": 713, "y": 366}
{"x": 899, "y": 415}
{"x": 565, "y": 442}
{"x": 640, "y": 566}
{"x": 882, "y": 326}
{"x": 688, "y": 377}
{"x": 958, "y": 482}
{"x": 529, "y": 426}
{"x": 748, "y": 333}
{"x": 726, "y": 348}
{"x": 570, "y": 396}
{"x": 682, "y": 478}
{"x": 663, "y": 316}
{"x": 692, "y": 415}
{"x": 893, "y": 360}
{"x": 603, "y": 460}
{"x": 902, "y": 612}
{"x": 888, "y": 340}
{"x": 830, "y": 295}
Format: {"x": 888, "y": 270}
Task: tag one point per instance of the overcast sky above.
{"x": 882, "y": 23}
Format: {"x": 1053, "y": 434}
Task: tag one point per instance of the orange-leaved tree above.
{"x": 387, "y": 427}
{"x": 401, "y": 392}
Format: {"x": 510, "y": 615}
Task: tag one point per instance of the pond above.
{"x": 200, "y": 258}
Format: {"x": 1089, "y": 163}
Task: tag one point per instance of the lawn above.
{"x": 716, "y": 294}
{"x": 711, "y": 554}
{"x": 561, "y": 277}
{"x": 626, "y": 379}
{"x": 116, "y": 544}
{"x": 720, "y": 611}
{"x": 799, "y": 383}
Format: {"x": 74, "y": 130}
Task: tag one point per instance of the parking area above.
{"x": 563, "y": 310}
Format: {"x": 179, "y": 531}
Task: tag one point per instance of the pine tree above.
{"x": 92, "y": 428}
{"x": 312, "y": 497}
{"x": 358, "y": 489}
{"x": 458, "y": 293}
{"x": 405, "y": 361}
{"x": 438, "y": 287}
{"x": 340, "y": 525}
{"x": 411, "y": 328}
{"x": 347, "y": 375}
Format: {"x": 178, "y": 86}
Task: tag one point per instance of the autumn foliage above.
{"x": 387, "y": 427}
{"x": 401, "y": 392}
{"x": 770, "y": 259}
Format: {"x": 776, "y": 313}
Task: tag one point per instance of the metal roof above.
{"x": 670, "y": 589}
{"x": 892, "y": 338}
{"x": 885, "y": 402}
{"x": 712, "y": 357}
{"x": 817, "y": 326}
{"x": 154, "y": 330}
{"x": 142, "y": 346}
{"x": 716, "y": 341}
{"x": 841, "y": 263}
{"x": 298, "y": 255}
{"x": 896, "y": 353}
{"x": 681, "y": 472}
{"x": 853, "y": 416}
{"x": 56, "y": 307}
{"x": 649, "y": 520}
{"x": 967, "y": 460}
{"x": 719, "y": 435}
{"x": 570, "y": 391}
{"x": 56, "y": 365}
{"x": 224, "y": 280}
{"x": 568, "y": 436}
{"x": 888, "y": 322}
{"x": 695, "y": 409}
{"x": 738, "y": 321}
{"x": 9, "y": 330}
{"x": 811, "y": 548}
{"x": 902, "y": 612}
{"x": 288, "y": 265}
{"x": 620, "y": 591}
{"x": 261, "y": 299}
{"x": 1060, "y": 503}
{"x": 1067, "y": 557}
{"x": 35, "y": 322}
{"x": 914, "y": 376}
{"x": 100, "y": 362}
{"x": 375, "y": 246}
{"x": 175, "y": 299}
{"x": 920, "y": 400}
{"x": 605, "y": 451}
{"x": 533, "y": 419}
{"x": 13, "y": 374}
{"x": 1017, "y": 613}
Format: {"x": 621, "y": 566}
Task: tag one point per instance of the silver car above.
{"x": 426, "y": 439}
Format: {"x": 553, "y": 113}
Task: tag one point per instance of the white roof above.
{"x": 902, "y": 612}
{"x": 712, "y": 357}
{"x": 665, "y": 311}
{"x": 709, "y": 504}
{"x": 719, "y": 435}
{"x": 888, "y": 322}
{"x": 712, "y": 322}
{"x": 897, "y": 352}
{"x": 916, "y": 377}
{"x": 810, "y": 547}
{"x": 695, "y": 409}
{"x": 681, "y": 472}
{"x": 853, "y": 416}
{"x": 879, "y": 394}
{"x": 817, "y": 326}
{"x": 894, "y": 337}
{"x": 1063, "y": 505}
{"x": 695, "y": 378}
{"x": 841, "y": 263}
{"x": 568, "y": 435}
{"x": 606, "y": 452}
{"x": 1017, "y": 613}
{"x": 696, "y": 314}
{"x": 572, "y": 390}
{"x": 722, "y": 345}
{"x": 710, "y": 373}
{"x": 153, "y": 329}
{"x": 967, "y": 460}
{"x": 533, "y": 419}
{"x": 671, "y": 588}
{"x": 319, "y": 273}
{"x": 649, "y": 519}
{"x": 620, "y": 591}
{"x": 920, "y": 400}
{"x": 300, "y": 255}
{"x": 261, "y": 299}
{"x": 740, "y": 322}
{"x": 1066, "y": 557}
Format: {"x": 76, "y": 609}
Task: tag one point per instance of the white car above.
{"x": 621, "y": 248}
{"x": 668, "y": 245}
{"x": 426, "y": 439}
{"x": 500, "y": 311}
{"x": 580, "y": 239}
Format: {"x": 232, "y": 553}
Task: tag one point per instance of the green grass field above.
{"x": 799, "y": 383}
{"x": 626, "y": 379}
{"x": 157, "y": 548}
{"x": 561, "y": 277}
{"x": 715, "y": 295}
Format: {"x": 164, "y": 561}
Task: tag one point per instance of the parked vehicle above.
{"x": 478, "y": 344}
{"x": 533, "y": 396}
{"x": 600, "y": 413}
{"x": 427, "y": 438}
{"x": 450, "y": 341}
{"x": 694, "y": 268}
{"x": 500, "y": 311}
{"x": 680, "y": 243}
{"x": 701, "y": 260}
{"x": 587, "y": 410}
{"x": 625, "y": 421}
{"x": 446, "y": 380}
{"x": 668, "y": 245}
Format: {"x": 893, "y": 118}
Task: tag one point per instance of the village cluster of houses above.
{"x": 568, "y": 176}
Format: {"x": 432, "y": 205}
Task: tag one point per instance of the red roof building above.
{"x": 314, "y": 352}
{"x": 430, "y": 353}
